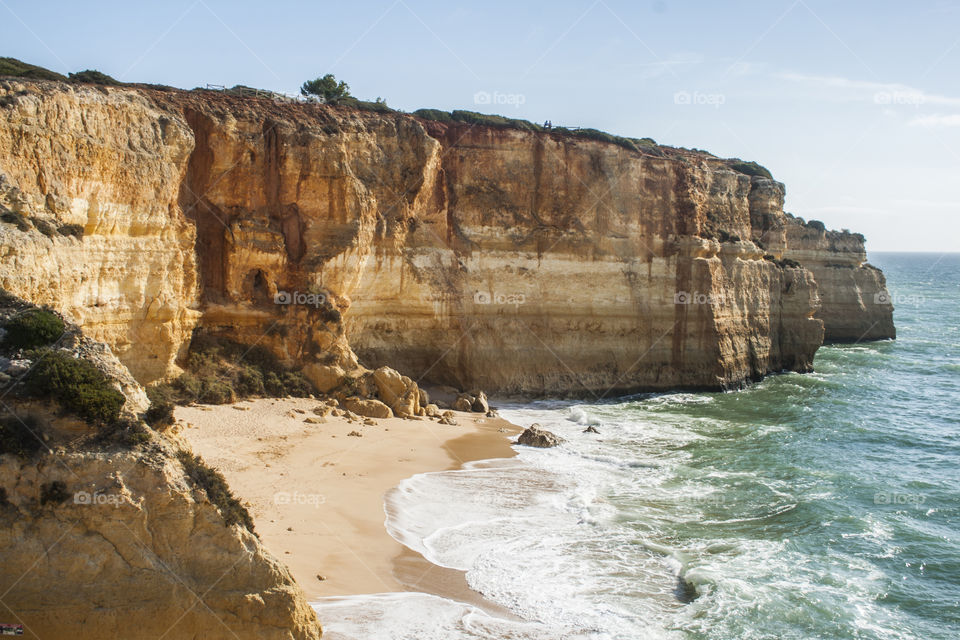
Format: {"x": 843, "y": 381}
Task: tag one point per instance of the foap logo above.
{"x": 698, "y": 98}
{"x": 684, "y": 297}
{"x": 514, "y": 299}
{"x": 87, "y": 498}
{"x": 312, "y": 299}
{"x": 508, "y": 99}
{"x": 891, "y": 497}
{"x": 898, "y": 300}
{"x": 908, "y": 98}
{"x": 283, "y": 498}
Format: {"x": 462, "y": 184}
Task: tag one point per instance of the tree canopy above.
{"x": 326, "y": 88}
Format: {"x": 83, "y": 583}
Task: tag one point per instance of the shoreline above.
{"x": 316, "y": 494}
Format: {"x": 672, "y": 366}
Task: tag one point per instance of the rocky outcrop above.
{"x": 104, "y": 531}
{"x": 484, "y": 257}
{"x": 534, "y": 436}
{"x": 134, "y": 551}
{"x": 855, "y": 303}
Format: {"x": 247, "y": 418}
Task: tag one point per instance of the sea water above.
{"x": 824, "y": 505}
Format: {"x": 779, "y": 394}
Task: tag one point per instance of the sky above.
{"x": 855, "y": 106}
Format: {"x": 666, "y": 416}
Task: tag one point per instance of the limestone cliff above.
{"x": 855, "y": 304}
{"x": 514, "y": 260}
{"x": 135, "y": 552}
{"x": 106, "y": 530}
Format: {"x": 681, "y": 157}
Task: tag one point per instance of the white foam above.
{"x": 421, "y": 616}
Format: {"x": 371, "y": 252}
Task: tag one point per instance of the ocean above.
{"x": 823, "y": 505}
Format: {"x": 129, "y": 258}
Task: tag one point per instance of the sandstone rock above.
{"x": 408, "y": 403}
{"x": 390, "y": 385}
{"x": 480, "y": 404}
{"x": 591, "y": 429}
{"x": 463, "y": 403}
{"x": 534, "y": 436}
{"x": 323, "y": 410}
{"x": 431, "y": 410}
{"x": 325, "y": 378}
{"x": 367, "y": 408}
{"x": 140, "y": 520}
{"x": 424, "y": 397}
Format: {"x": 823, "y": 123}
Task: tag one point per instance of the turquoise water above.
{"x": 824, "y": 505}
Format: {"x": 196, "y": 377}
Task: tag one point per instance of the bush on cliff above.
{"x": 23, "y": 437}
{"x": 35, "y": 328}
{"x": 20, "y": 69}
{"x": 326, "y": 88}
{"x": 92, "y": 76}
{"x": 218, "y": 492}
{"x": 750, "y": 168}
{"x": 77, "y": 385}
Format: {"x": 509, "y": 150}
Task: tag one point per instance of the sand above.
{"x": 316, "y": 493}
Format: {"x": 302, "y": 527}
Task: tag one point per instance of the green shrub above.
{"x": 92, "y": 76}
{"x": 14, "y": 67}
{"x": 379, "y": 105}
{"x": 129, "y": 433}
{"x": 273, "y": 385}
{"x": 35, "y": 328}
{"x": 218, "y": 492}
{"x": 433, "y": 114}
{"x": 249, "y": 381}
{"x": 603, "y": 136}
{"x": 78, "y": 386}
{"x": 216, "y": 392}
{"x": 75, "y": 230}
{"x": 296, "y": 384}
{"x": 160, "y": 413}
{"x": 472, "y": 117}
{"x": 55, "y": 492}
{"x": 21, "y": 437}
{"x": 816, "y": 224}
{"x": 750, "y": 168}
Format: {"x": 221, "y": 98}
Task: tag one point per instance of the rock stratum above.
{"x": 518, "y": 261}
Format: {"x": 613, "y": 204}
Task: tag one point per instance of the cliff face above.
{"x": 478, "y": 256}
{"x": 134, "y": 552}
{"x": 111, "y": 163}
{"x": 855, "y": 303}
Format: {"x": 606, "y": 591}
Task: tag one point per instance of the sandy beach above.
{"x": 316, "y": 492}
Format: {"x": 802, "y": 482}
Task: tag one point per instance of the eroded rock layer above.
{"x": 512, "y": 260}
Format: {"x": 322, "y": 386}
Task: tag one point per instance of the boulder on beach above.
{"x": 367, "y": 408}
{"x": 480, "y": 404}
{"x": 534, "y": 436}
{"x": 463, "y": 403}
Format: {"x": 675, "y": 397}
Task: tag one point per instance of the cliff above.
{"x": 480, "y": 256}
{"x": 106, "y": 529}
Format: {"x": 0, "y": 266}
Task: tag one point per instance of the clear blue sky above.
{"x": 854, "y": 105}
